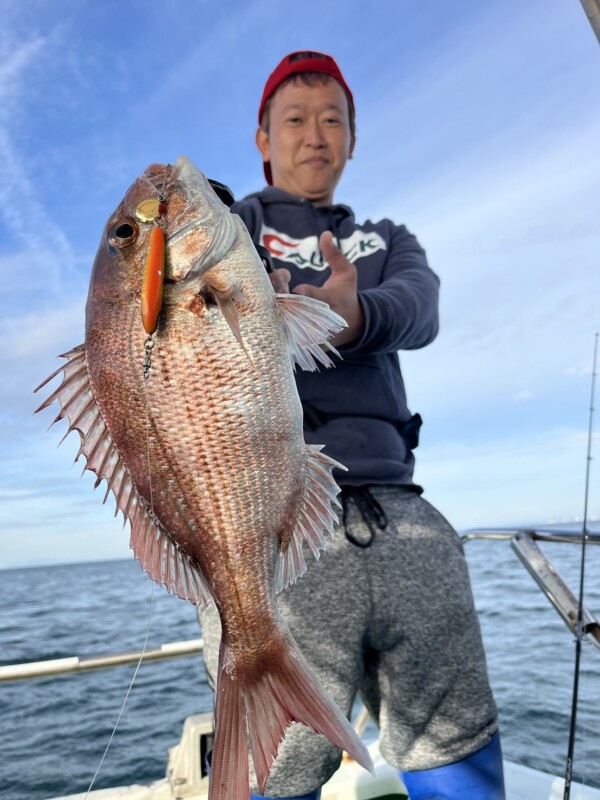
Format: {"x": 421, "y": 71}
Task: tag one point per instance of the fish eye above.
{"x": 123, "y": 233}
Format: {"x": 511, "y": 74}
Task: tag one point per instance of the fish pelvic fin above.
{"x": 226, "y": 300}
{"x": 158, "y": 554}
{"x": 316, "y": 519}
{"x": 285, "y": 691}
{"x": 309, "y": 324}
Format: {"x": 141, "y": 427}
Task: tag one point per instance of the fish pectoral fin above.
{"x": 226, "y": 300}
{"x": 316, "y": 519}
{"x": 156, "y": 551}
{"x": 309, "y": 323}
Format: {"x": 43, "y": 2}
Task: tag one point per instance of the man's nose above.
{"x": 313, "y": 134}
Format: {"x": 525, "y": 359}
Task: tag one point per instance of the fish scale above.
{"x": 203, "y": 450}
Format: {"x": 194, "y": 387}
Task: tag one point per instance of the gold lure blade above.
{"x": 147, "y": 211}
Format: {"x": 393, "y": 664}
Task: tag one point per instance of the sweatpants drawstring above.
{"x": 370, "y": 510}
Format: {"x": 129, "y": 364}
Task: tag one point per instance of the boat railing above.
{"x": 74, "y": 665}
{"x": 524, "y": 542}
{"x": 538, "y": 534}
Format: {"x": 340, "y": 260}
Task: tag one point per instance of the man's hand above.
{"x": 338, "y": 291}
{"x": 280, "y": 280}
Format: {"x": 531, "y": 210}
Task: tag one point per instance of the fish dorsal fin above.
{"x": 152, "y": 546}
{"x": 309, "y": 323}
{"x": 316, "y": 519}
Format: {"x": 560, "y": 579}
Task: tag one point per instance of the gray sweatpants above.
{"x": 394, "y": 622}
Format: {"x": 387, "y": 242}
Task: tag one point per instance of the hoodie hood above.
{"x": 280, "y": 205}
{"x": 271, "y": 195}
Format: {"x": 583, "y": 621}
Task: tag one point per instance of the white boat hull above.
{"x": 351, "y": 782}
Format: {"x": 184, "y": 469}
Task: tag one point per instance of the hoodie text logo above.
{"x": 305, "y": 253}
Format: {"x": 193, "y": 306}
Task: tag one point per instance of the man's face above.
{"x": 309, "y": 139}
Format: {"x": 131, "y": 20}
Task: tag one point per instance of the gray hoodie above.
{"x": 358, "y": 409}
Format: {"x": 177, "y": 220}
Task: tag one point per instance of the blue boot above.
{"x": 477, "y": 777}
{"x": 310, "y": 796}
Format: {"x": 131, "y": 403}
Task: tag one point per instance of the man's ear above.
{"x": 262, "y": 142}
{"x": 352, "y": 143}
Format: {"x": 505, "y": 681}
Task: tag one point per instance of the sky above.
{"x": 478, "y": 128}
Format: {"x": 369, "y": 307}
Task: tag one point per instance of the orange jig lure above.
{"x": 154, "y": 274}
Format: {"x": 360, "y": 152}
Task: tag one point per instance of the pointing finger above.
{"x": 332, "y": 253}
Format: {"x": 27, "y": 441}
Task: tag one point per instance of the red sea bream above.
{"x": 203, "y": 448}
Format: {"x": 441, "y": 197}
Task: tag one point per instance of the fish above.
{"x": 184, "y": 399}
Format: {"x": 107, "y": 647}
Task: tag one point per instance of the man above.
{"x": 387, "y": 612}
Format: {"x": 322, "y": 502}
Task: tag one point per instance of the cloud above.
{"x": 510, "y": 480}
{"x": 49, "y": 511}
{"x": 15, "y": 60}
{"x": 454, "y": 135}
{"x": 534, "y": 194}
{"x": 582, "y": 368}
{"x": 478, "y": 135}
{"x": 28, "y": 221}
{"x": 30, "y": 343}
{"x": 517, "y": 308}
{"x": 523, "y": 395}
{"x": 23, "y": 334}
{"x": 500, "y": 186}
{"x": 23, "y": 213}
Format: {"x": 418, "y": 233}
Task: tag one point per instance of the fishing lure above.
{"x": 154, "y": 276}
{"x": 154, "y": 271}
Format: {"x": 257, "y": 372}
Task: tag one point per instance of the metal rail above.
{"x": 523, "y": 542}
{"x": 538, "y": 534}
{"x": 74, "y": 665}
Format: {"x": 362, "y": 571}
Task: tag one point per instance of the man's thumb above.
{"x": 304, "y": 289}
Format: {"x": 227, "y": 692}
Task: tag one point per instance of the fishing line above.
{"x": 580, "y": 630}
{"x": 143, "y": 653}
{"x": 149, "y": 344}
{"x": 139, "y": 664}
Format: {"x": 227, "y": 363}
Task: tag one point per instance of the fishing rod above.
{"x": 592, "y": 12}
{"x": 580, "y": 631}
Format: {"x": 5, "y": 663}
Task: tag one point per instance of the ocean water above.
{"x": 53, "y": 731}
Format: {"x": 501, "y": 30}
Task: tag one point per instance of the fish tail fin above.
{"x": 229, "y": 762}
{"x": 288, "y": 692}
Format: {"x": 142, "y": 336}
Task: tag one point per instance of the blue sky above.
{"x": 478, "y": 127}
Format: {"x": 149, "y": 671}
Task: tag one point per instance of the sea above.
{"x": 53, "y": 732}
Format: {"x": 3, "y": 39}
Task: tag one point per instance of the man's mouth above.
{"x": 316, "y": 161}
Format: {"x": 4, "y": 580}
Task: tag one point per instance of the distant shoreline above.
{"x": 593, "y": 524}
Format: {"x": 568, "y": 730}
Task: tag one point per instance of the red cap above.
{"x": 292, "y": 64}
